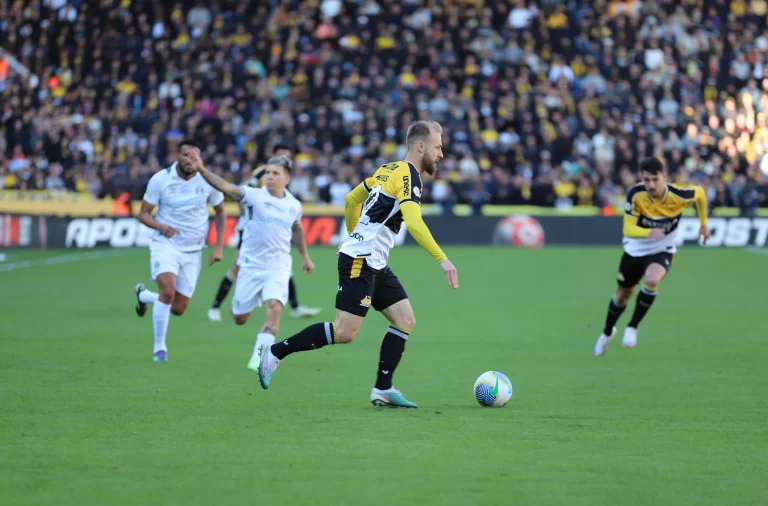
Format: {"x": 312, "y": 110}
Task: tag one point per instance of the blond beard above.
{"x": 429, "y": 166}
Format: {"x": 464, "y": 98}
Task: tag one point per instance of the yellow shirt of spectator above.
{"x": 557, "y": 20}
{"x": 385, "y": 42}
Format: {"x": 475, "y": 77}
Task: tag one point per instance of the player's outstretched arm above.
{"x": 700, "y": 199}
{"x": 300, "y": 241}
{"x": 230, "y": 190}
{"x": 353, "y": 205}
{"x": 418, "y": 229}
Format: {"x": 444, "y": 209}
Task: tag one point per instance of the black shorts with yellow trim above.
{"x": 632, "y": 269}
{"x": 362, "y": 287}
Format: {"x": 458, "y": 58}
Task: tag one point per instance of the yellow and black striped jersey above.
{"x": 257, "y": 177}
{"x": 373, "y": 236}
{"x": 644, "y": 213}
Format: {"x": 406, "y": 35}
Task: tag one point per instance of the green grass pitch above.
{"x": 86, "y": 417}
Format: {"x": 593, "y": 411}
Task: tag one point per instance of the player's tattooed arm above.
{"x": 230, "y": 190}
{"x": 300, "y": 241}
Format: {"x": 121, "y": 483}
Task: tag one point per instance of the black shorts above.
{"x": 632, "y": 269}
{"x": 361, "y": 287}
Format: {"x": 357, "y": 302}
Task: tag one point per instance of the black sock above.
{"x": 643, "y": 303}
{"x": 313, "y": 337}
{"x": 292, "y": 298}
{"x": 392, "y": 348}
{"x": 614, "y": 312}
{"x": 224, "y": 287}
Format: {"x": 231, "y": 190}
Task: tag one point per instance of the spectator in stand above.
{"x": 544, "y": 103}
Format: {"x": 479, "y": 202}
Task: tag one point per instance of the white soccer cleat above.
{"x": 601, "y": 346}
{"x": 214, "y": 314}
{"x": 305, "y": 312}
{"x": 630, "y": 338}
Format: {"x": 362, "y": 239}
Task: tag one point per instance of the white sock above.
{"x": 148, "y": 297}
{"x": 161, "y": 313}
{"x": 261, "y": 340}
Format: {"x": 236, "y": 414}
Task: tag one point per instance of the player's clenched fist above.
{"x": 167, "y": 230}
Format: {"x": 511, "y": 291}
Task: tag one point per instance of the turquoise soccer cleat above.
{"x": 390, "y": 399}
{"x": 267, "y": 366}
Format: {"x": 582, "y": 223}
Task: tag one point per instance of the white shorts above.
{"x": 255, "y": 285}
{"x": 164, "y": 257}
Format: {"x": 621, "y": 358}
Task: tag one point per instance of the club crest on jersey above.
{"x": 366, "y": 302}
{"x": 407, "y": 185}
{"x": 199, "y": 190}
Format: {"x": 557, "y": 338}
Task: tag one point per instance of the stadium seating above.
{"x": 547, "y": 103}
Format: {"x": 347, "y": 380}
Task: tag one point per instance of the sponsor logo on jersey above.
{"x": 407, "y": 186}
{"x": 416, "y": 191}
{"x": 665, "y": 224}
{"x": 366, "y": 302}
{"x": 358, "y": 236}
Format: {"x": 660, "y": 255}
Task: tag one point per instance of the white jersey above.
{"x": 268, "y": 229}
{"x": 182, "y": 204}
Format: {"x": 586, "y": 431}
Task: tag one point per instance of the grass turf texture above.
{"x": 86, "y": 417}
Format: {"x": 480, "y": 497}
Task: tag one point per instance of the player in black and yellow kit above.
{"x": 652, "y": 214}
{"x": 297, "y": 310}
{"x": 375, "y": 211}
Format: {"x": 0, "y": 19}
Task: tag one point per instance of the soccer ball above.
{"x": 493, "y": 389}
{"x": 519, "y": 230}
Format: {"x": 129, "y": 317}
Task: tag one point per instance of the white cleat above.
{"x": 305, "y": 312}
{"x": 214, "y": 314}
{"x": 601, "y": 346}
{"x": 630, "y": 338}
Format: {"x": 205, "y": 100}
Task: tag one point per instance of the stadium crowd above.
{"x": 543, "y": 102}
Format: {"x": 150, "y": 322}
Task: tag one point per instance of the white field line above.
{"x": 61, "y": 259}
{"x": 758, "y": 251}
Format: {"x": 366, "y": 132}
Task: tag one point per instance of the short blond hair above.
{"x": 281, "y": 161}
{"x": 420, "y": 130}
